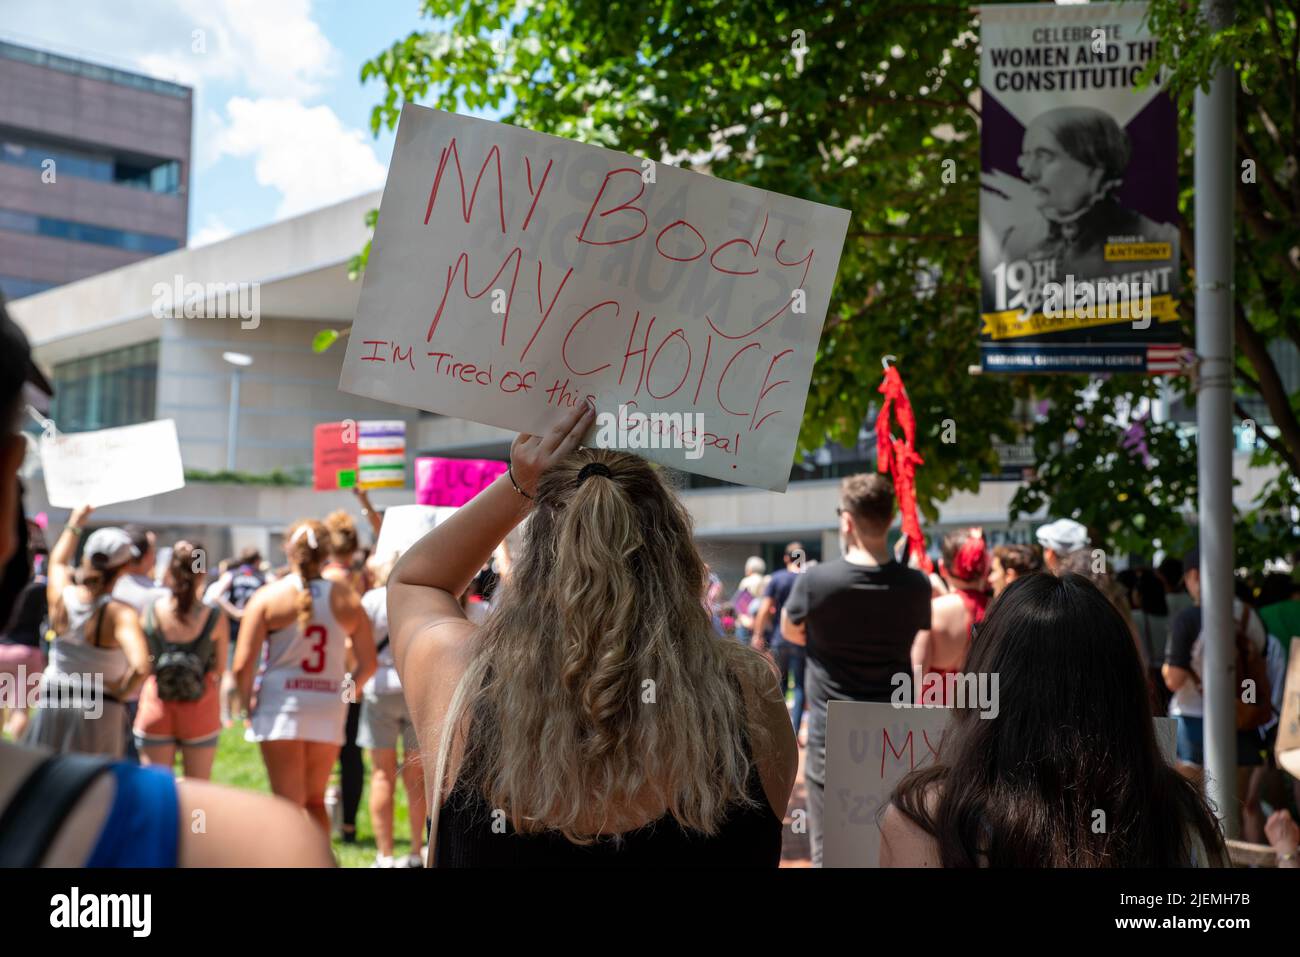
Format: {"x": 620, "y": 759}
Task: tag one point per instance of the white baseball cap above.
{"x": 1062, "y": 536}
{"x": 109, "y": 548}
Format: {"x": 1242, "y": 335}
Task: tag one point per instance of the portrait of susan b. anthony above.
{"x": 1073, "y": 161}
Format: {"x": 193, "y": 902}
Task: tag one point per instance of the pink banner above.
{"x": 453, "y": 481}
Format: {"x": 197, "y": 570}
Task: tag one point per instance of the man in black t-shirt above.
{"x": 857, "y": 617}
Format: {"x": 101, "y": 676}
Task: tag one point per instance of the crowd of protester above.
{"x": 594, "y": 698}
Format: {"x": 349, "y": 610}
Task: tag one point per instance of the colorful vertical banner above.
{"x": 453, "y": 481}
{"x": 334, "y": 456}
{"x": 381, "y": 454}
{"x": 1079, "y": 202}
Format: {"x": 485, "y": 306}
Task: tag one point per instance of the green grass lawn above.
{"x": 239, "y": 764}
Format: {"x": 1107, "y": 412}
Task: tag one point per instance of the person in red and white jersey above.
{"x": 296, "y": 711}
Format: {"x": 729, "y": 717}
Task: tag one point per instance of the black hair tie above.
{"x": 594, "y": 468}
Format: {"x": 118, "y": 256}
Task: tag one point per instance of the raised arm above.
{"x": 375, "y": 519}
{"x": 426, "y": 584}
{"x": 61, "y": 555}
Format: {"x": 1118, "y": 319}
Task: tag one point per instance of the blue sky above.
{"x": 281, "y": 120}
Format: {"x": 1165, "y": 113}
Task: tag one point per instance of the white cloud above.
{"x": 271, "y": 48}
{"x": 304, "y": 152}
{"x": 265, "y": 60}
{"x": 213, "y": 231}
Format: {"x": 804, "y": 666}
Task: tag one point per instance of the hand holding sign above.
{"x": 531, "y": 455}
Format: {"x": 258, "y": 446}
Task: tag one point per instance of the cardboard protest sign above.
{"x": 1078, "y": 211}
{"x": 404, "y": 525}
{"x": 1288, "y": 731}
{"x": 112, "y": 465}
{"x": 381, "y": 454}
{"x": 870, "y": 746}
{"x": 453, "y": 481}
{"x": 514, "y": 275}
{"x": 334, "y": 456}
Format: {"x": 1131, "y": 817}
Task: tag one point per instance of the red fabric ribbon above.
{"x": 899, "y": 458}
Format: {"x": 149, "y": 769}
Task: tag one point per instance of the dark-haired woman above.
{"x": 1068, "y": 773}
{"x": 180, "y": 705}
{"x": 99, "y": 656}
{"x": 594, "y": 719}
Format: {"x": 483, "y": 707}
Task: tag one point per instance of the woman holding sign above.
{"x": 99, "y": 657}
{"x": 595, "y": 718}
{"x": 301, "y": 699}
{"x": 1066, "y": 772}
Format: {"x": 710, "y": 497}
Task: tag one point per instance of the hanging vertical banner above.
{"x": 381, "y": 454}
{"x": 1079, "y": 202}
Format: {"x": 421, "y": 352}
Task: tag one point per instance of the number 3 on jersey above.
{"x": 315, "y": 662}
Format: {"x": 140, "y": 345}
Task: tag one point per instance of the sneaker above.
{"x": 410, "y": 860}
{"x": 384, "y": 861}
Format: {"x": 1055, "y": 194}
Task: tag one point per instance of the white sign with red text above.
{"x": 515, "y": 274}
{"x": 112, "y": 465}
{"x": 870, "y": 746}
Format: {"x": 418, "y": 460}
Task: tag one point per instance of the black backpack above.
{"x": 180, "y": 669}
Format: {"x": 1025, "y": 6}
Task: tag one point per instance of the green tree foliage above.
{"x": 871, "y": 106}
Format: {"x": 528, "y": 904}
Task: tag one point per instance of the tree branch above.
{"x": 1281, "y": 450}
{"x": 1271, "y": 387}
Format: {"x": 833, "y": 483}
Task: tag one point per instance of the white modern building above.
{"x": 114, "y": 362}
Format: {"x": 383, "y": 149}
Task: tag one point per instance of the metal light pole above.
{"x": 240, "y": 362}
{"x": 1215, "y": 187}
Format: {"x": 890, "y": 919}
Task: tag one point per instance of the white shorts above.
{"x": 323, "y": 727}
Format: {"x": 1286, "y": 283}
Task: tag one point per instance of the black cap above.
{"x": 16, "y": 364}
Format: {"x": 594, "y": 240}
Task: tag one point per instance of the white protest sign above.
{"x": 404, "y": 525}
{"x": 514, "y": 275}
{"x": 870, "y": 746}
{"x": 112, "y": 465}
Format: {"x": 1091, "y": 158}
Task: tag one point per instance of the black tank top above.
{"x": 749, "y": 836}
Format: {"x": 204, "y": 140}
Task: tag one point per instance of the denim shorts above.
{"x": 1191, "y": 743}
